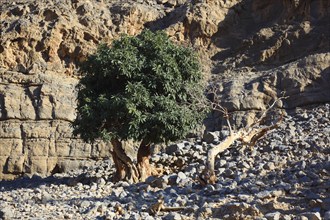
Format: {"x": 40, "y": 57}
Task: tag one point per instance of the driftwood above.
{"x": 248, "y": 136}
{"x": 160, "y": 206}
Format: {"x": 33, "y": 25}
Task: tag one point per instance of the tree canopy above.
{"x": 142, "y": 87}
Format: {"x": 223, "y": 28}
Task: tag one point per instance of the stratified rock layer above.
{"x": 35, "y": 131}
{"x": 254, "y": 51}
{"x": 41, "y": 44}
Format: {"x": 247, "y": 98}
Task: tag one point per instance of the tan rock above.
{"x": 3, "y": 161}
{"x": 15, "y": 164}
{"x": 37, "y": 164}
{"x": 62, "y": 149}
{"x": 37, "y": 147}
{"x": 11, "y": 147}
{"x": 10, "y": 129}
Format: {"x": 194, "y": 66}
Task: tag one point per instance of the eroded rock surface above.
{"x": 41, "y": 44}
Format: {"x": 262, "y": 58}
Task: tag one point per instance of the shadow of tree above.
{"x": 36, "y": 181}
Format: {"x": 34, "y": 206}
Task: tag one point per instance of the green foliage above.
{"x": 142, "y": 87}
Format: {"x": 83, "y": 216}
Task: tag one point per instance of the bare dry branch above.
{"x": 264, "y": 113}
{"x": 248, "y": 135}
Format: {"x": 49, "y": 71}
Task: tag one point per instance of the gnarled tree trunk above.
{"x": 143, "y": 160}
{"x": 246, "y": 135}
{"x": 126, "y": 169}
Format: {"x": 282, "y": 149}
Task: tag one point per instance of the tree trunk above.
{"x": 143, "y": 160}
{"x": 246, "y": 136}
{"x": 125, "y": 168}
{"x": 208, "y": 175}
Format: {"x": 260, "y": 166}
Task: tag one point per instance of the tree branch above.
{"x": 248, "y": 135}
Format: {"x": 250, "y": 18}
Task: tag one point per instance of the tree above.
{"x": 143, "y": 88}
{"x": 248, "y": 135}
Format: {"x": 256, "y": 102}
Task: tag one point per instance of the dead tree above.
{"x": 248, "y": 135}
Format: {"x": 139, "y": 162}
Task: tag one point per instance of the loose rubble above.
{"x": 285, "y": 176}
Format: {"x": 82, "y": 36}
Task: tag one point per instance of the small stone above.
{"x": 210, "y": 137}
{"x": 161, "y": 1}
{"x": 277, "y": 193}
{"x": 6, "y": 213}
{"x": 224, "y": 133}
{"x": 174, "y": 148}
{"x": 283, "y": 147}
{"x": 254, "y": 153}
{"x": 159, "y": 183}
{"x": 118, "y": 190}
{"x": 171, "y": 3}
{"x": 46, "y": 197}
{"x": 221, "y": 170}
{"x": 264, "y": 194}
{"x": 179, "y": 162}
{"x": 231, "y": 164}
{"x": 191, "y": 169}
{"x": 209, "y": 188}
{"x": 273, "y": 216}
{"x": 312, "y": 215}
{"x": 172, "y": 179}
{"x": 228, "y": 173}
{"x": 199, "y": 147}
{"x": 150, "y": 179}
{"x": 93, "y": 187}
{"x": 269, "y": 166}
{"x": 245, "y": 198}
{"x": 149, "y": 218}
{"x": 102, "y": 208}
{"x": 182, "y": 175}
{"x": 101, "y": 182}
{"x": 85, "y": 204}
{"x": 123, "y": 194}
{"x": 222, "y": 162}
{"x": 181, "y": 178}
{"x": 286, "y": 217}
{"x": 313, "y": 203}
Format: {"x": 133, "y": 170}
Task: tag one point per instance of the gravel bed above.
{"x": 285, "y": 176}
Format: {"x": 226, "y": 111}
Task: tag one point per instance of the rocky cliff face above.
{"x": 253, "y": 50}
{"x": 41, "y": 44}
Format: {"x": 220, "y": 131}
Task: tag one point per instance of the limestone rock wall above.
{"x": 42, "y": 43}
{"x": 36, "y": 135}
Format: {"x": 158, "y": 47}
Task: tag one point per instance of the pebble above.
{"x": 269, "y": 166}
{"x": 211, "y": 137}
{"x": 273, "y": 216}
{"x": 6, "y": 213}
{"x": 312, "y": 215}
